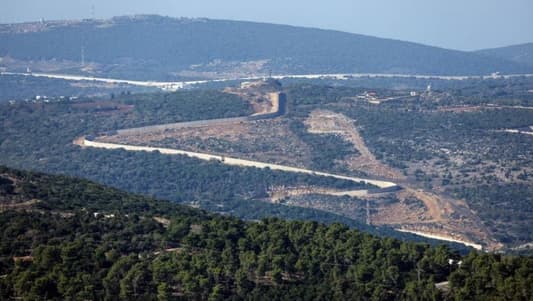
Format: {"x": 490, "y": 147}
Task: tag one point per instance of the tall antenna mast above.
{"x": 92, "y": 11}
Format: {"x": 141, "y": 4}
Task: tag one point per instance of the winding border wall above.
{"x": 233, "y": 161}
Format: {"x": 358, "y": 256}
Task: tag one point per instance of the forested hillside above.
{"x": 425, "y": 137}
{"x": 27, "y": 142}
{"x": 39, "y": 136}
{"x": 522, "y": 53}
{"x": 153, "y": 47}
{"x": 64, "y": 238}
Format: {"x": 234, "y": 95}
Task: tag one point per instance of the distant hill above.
{"x": 154, "y": 47}
{"x": 522, "y": 53}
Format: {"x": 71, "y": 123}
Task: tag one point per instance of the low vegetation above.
{"x": 449, "y": 142}
{"x": 81, "y": 240}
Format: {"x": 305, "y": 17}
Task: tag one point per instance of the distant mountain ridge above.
{"x": 155, "y": 47}
{"x": 521, "y": 53}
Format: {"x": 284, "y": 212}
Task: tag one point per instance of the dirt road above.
{"x": 328, "y": 122}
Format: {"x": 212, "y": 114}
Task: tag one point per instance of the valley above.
{"x": 150, "y": 157}
{"x": 273, "y": 143}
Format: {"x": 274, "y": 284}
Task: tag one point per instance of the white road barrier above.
{"x": 233, "y": 161}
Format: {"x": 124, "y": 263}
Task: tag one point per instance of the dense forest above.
{"x": 154, "y": 47}
{"x": 64, "y": 238}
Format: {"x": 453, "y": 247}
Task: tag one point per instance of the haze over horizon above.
{"x": 454, "y": 24}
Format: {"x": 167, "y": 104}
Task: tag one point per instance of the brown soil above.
{"x": 328, "y": 122}
{"x": 265, "y": 140}
{"x": 435, "y": 214}
{"x": 262, "y": 95}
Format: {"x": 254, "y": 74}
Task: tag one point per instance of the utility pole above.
{"x": 82, "y": 56}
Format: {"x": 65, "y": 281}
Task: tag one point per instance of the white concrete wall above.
{"x": 233, "y": 161}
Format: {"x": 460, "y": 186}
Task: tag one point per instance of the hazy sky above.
{"x": 458, "y": 24}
